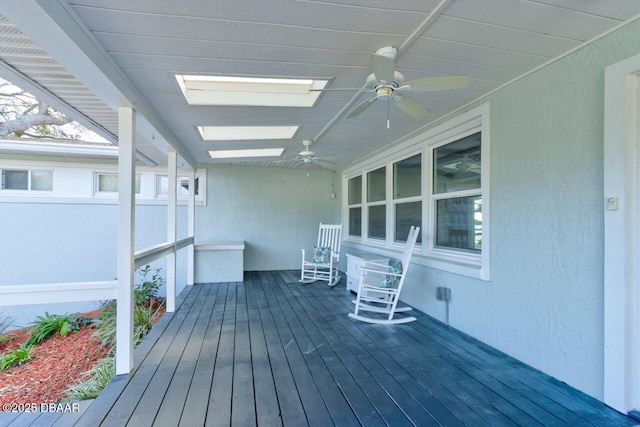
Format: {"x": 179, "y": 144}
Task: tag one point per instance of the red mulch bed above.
{"x": 57, "y": 363}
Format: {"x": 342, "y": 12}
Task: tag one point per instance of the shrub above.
{"x": 16, "y": 357}
{"x": 93, "y": 381}
{"x": 144, "y": 316}
{"x": 5, "y": 323}
{"x": 146, "y": 310}
{"x": 147, "y": 291}
{"x": 46, "y": 326}
{"x": 105, "y": 327}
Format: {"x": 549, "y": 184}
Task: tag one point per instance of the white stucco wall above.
{"x": 544, "y": 302}
{"x": 276, "y": 212}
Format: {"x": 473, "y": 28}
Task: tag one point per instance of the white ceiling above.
{"x": 140, "y": 45}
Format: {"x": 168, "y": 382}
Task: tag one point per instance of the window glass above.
{"x": 182, "y": 188}
{"x": 457, "y": 165}
{"x": 162, "y": 186}
{"x": 355, "y": 221}
{"x": 376, "y": 185}
{"x": 377, "y": 221}
{"x": 407, "y": 177}
{"x": 408, "y": 214}
{"x": 41, "y": 180}
{"x": 107, "y": 182}
{"x": 459, "y": 223}
{"x": 355, "y": 190}
{"x": 183, "y": 185}
{"x": 16, "y": 180}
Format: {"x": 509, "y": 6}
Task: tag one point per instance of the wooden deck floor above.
{"x": 271, "y": 352}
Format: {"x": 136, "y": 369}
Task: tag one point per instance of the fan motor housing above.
{"x": 373, "y": 83}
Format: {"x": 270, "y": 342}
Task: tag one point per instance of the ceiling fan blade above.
{"x": 360, "y": 108}
{"x": 411, "y": 106}
{"x": 383, "y": 68}
{"x": 350, "y": 89}
{"x": 453, "y": 81}
{"x": 319, "y": 161}
{"x": 285, "y": 160}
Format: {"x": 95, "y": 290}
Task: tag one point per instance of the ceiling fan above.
{"x": 388, "y": 84}
{"x": 308, "y": 156}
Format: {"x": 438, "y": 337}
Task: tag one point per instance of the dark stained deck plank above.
{"x": 194, "y": 411}
{"x": 271, "y": 351}
{"x": 219, "y": 409}
{"x": 266, "y": 399}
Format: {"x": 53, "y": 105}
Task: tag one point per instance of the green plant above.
{"x": 16, "y": 357}
{"x": 147, "y": 291}
{"x": 46, "y": 326}
{"x": 144, "y": 316}
{"x": 105, "y": 327}
{"x": 50, "y": 324}
{"x": 93, "y": 381}
{"x": 5, "y": 323}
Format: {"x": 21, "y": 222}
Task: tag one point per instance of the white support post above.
{"x": 172, "y": 203}
{"x": 191, "y": 227}
{"x": 126, "y": 232}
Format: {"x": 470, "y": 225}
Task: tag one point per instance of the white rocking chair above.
{"x": 380, "y": 286}
{"x": 326, "y": 256}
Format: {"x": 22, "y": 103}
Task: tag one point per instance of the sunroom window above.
{"x": 457, "y": 194}
{"x": 376, "y": 203}
{"x": 407, "y": 196}
{"x": 438, "y": 181}
{"x": 354, "y": 202}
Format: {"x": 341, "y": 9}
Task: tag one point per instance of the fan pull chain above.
{"x": 388, "y": 113}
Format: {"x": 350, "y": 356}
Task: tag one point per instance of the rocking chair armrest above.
{"x": 383, "y": 272}
{"x": 367, "y": 264}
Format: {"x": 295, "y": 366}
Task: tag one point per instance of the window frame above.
{"x": 103, "y": 193}
{"x": 463, "y": 256}
{"x": 461, "y": 261}
{"x": 199, "y": 178}
{"x": 358, "y": 205}
{"x": 373, "y": 204}
{"x": 394, "y": 202}
{"x": 29, "y": 188}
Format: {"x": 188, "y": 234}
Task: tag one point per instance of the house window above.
{"x": 376, "y": 204}
{"x": 162, "y": 185}
{"x": 437, "y": 181}
{"x": 33, "y": 180}
{"x": 354, "y": 201}
{"x": 107, "y": 183}
{"x": 457, "y": 194}
{"x": 407, "y": 197}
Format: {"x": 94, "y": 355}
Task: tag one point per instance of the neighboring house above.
{"x": 526, "y": 199}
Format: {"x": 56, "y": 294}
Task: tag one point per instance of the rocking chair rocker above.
{"x": 380, "y": 286}
{"x": 326, "y": 256}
